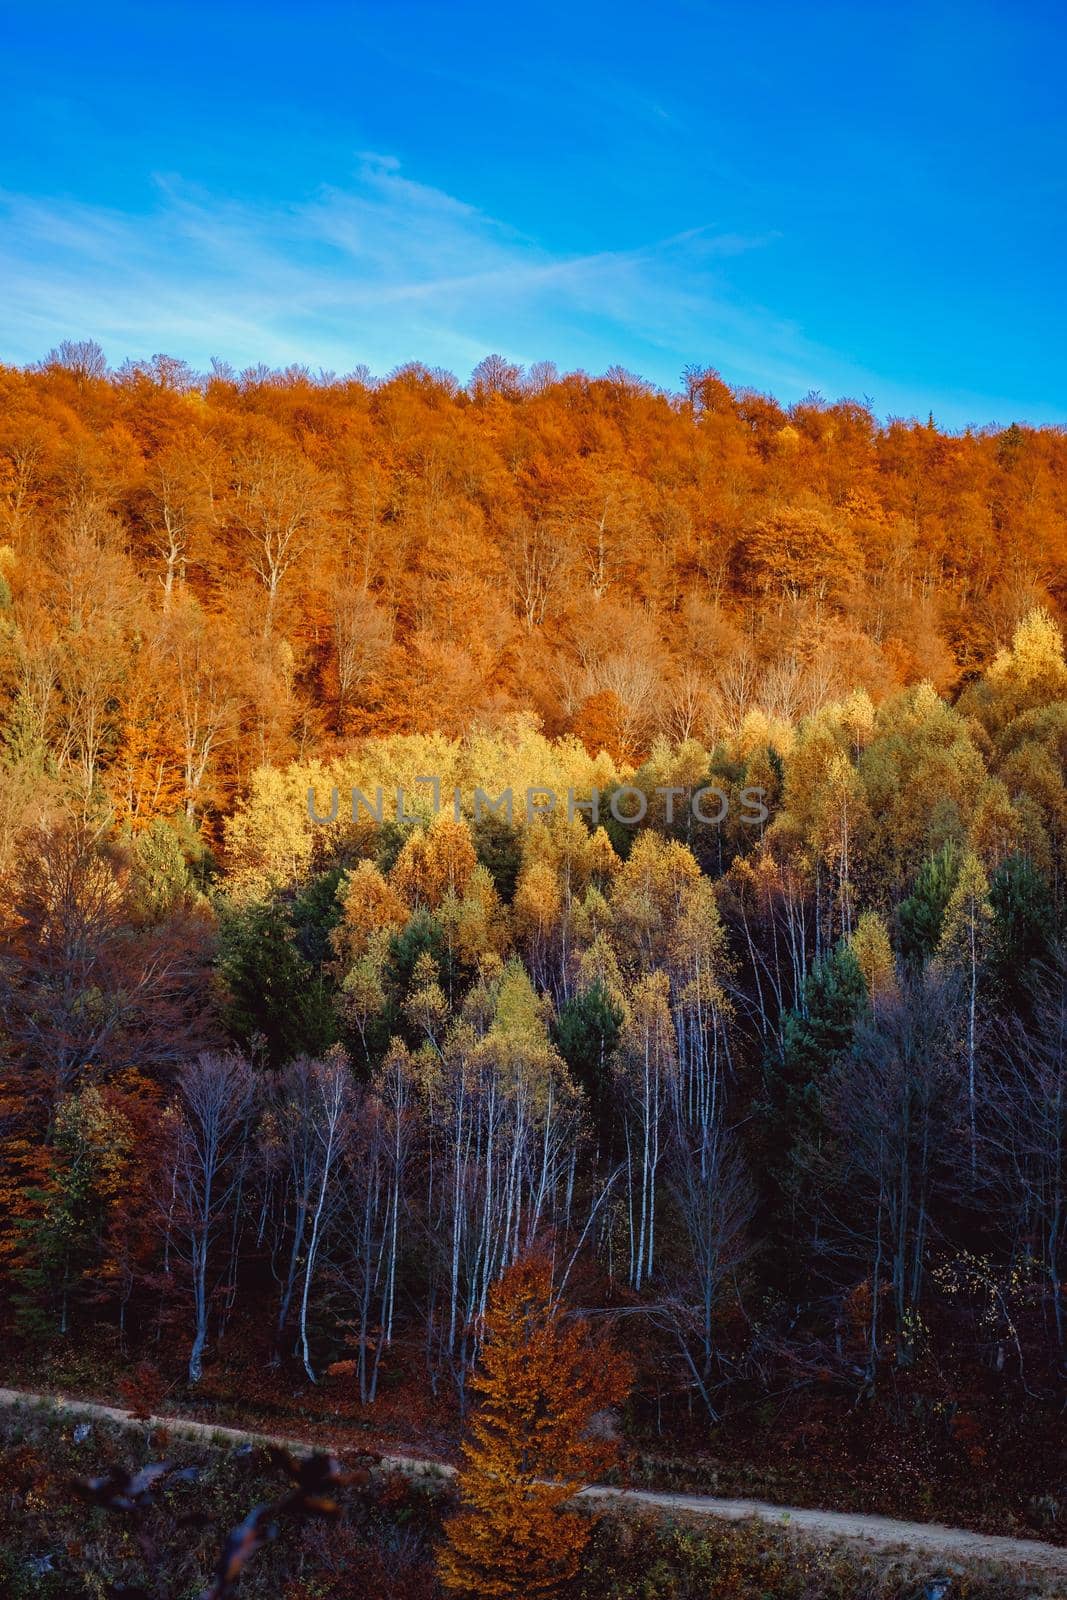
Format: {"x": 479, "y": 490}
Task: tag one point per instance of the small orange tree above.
{"x": 531, "y": 1444}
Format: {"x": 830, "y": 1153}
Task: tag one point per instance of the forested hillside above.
{"x": 212, "y": 574}
{"x": 782, "y": 1094}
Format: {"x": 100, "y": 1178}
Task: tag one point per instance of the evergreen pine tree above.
{"x": 921, "y": 915}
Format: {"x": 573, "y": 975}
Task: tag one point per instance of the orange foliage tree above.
{"x": 532, "y": 1443}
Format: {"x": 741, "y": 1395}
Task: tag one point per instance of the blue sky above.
{"x": 861, "y": 201}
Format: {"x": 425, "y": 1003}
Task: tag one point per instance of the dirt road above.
{"x": 882, "y": 1532}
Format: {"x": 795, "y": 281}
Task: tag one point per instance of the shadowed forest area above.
{"x": 776, "y": 1102}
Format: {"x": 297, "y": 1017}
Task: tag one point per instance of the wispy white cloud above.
{"x": 385, "y": 270}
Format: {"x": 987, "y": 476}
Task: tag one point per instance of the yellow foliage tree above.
{"x": 435, "y": 861}
{"x": 1035, "y": 660}
{"x": 995, "y": 828}
{"x": 964, "y": 942}
{"x": 531, "y": 1446}
{"x": 648, "y": 897}
{"x": 371, "y": 905}
{"x": 871, "y": 947}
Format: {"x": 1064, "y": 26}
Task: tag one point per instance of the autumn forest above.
{"x": 716, "y": 1155}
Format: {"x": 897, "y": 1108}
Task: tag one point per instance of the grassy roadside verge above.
{"x": 381, "y": 1545}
